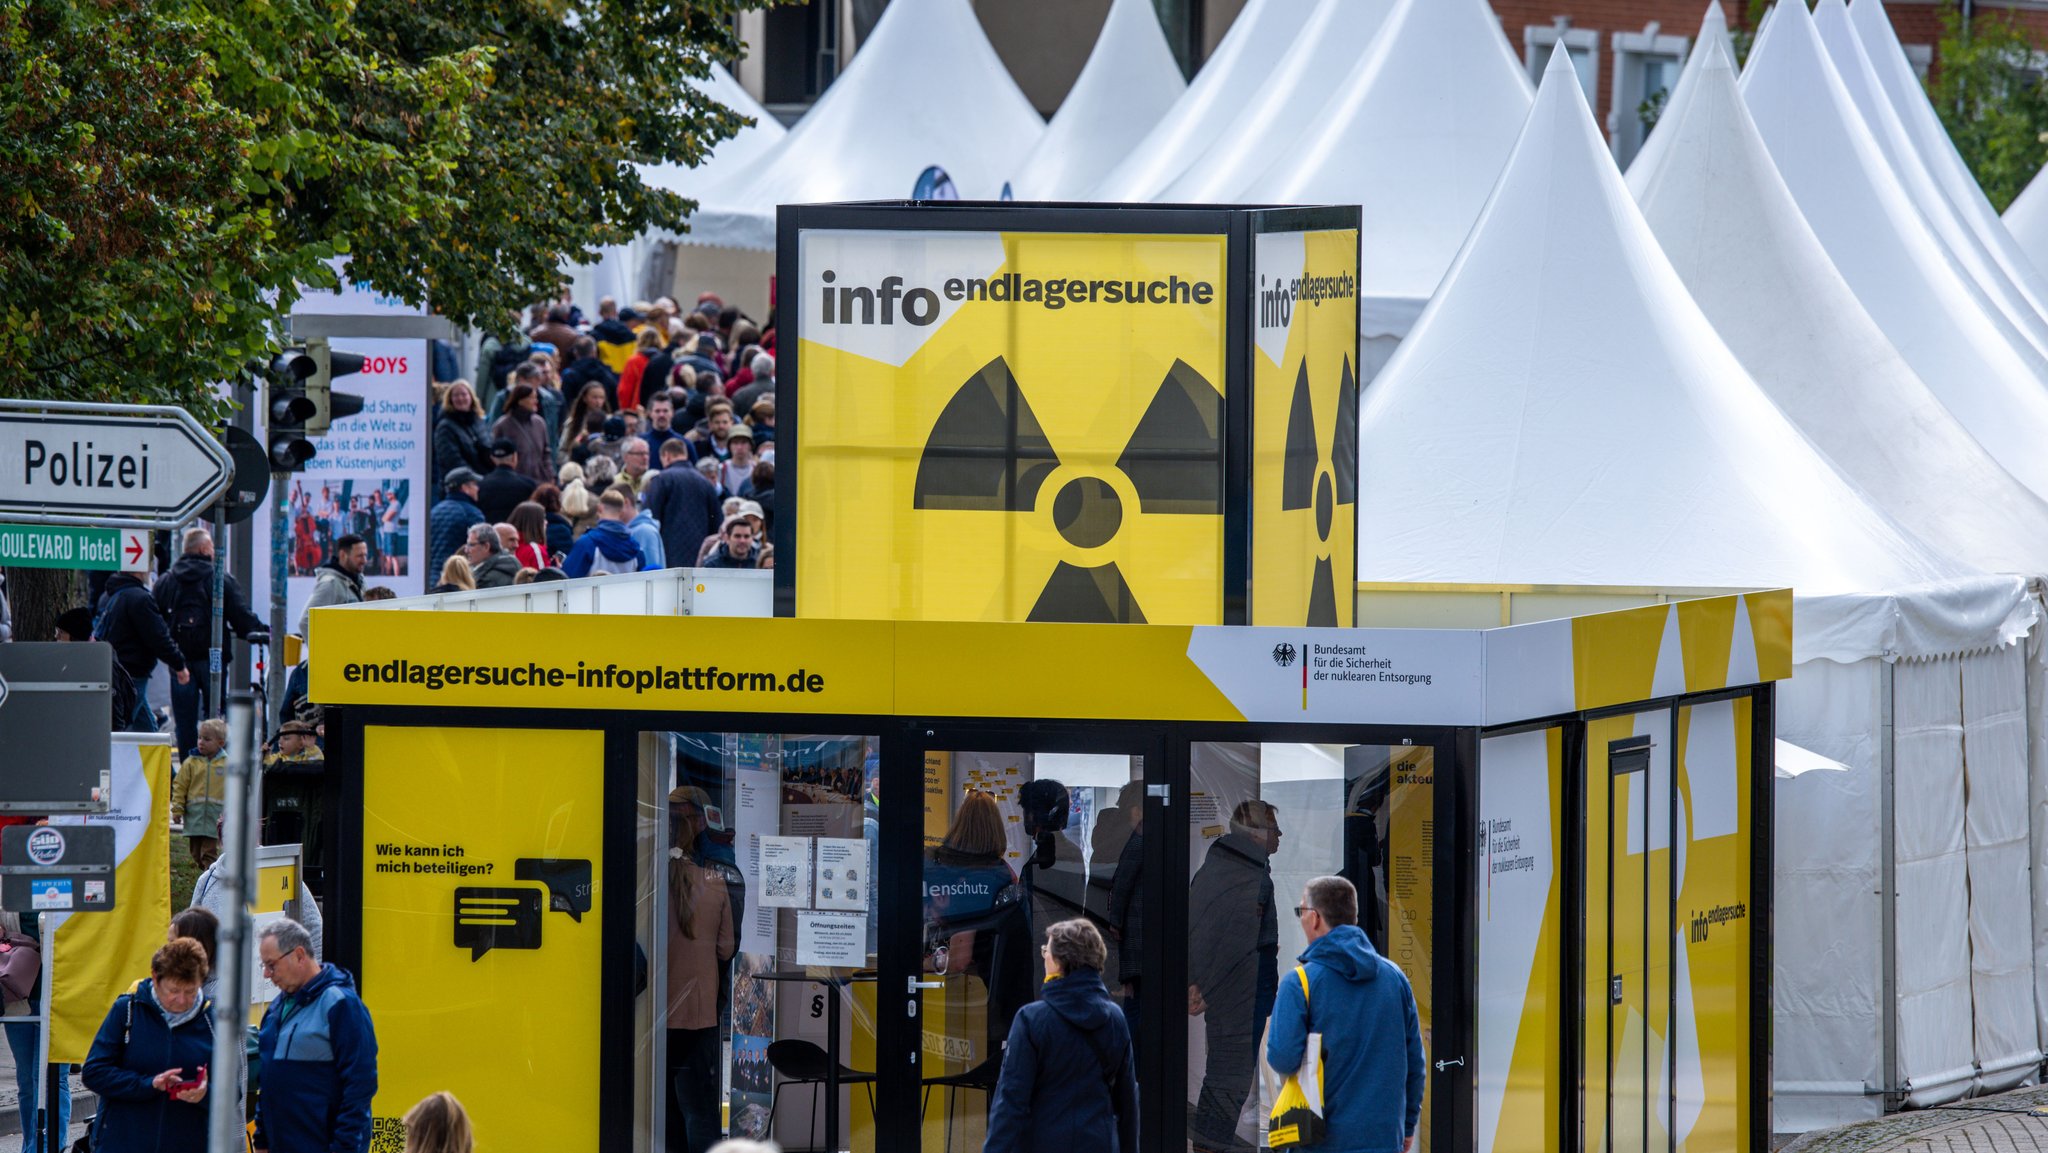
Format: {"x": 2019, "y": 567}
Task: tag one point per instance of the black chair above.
{"x": 982, "y": 1078}
{"x": 803, "y": 1063}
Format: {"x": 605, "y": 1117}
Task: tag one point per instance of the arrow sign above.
{"x": 129, "y": 465}
{"x": 3, "y": 690}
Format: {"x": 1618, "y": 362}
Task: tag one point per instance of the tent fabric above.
{"x": 1715, "y": 200}
{"x": 1417, "y": 136}
{"x": 1129, "y": 82}
{"x": 1564, "y": 414}
{"x": 1937, "y": 619}
{"x": 1935, "y": 1046}
{"x": 2037, "y": 805}
{"x": 1240, "y": 68}
{"x": 1859, "y": 77}
{"x": 2027, "y": 219}
{"x": 925, "y": 89}
{"x": 1983, "y": 372}
{"x": 1336, "y": 35}
{"x": 1909, "y": 99}
{"x": 1998, "y": 854}
{"x": 619, "y": 268}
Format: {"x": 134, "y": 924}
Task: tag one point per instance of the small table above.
{"x": 832, "y": 984}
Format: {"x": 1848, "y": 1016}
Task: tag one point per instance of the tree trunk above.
{"x": 38, "y": 596}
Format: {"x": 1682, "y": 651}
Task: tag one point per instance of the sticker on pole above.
{"x": 51, "y": 894}
{"x": 45, "y": 847}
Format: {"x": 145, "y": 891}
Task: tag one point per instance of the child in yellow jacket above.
{"x": 201, "y": 791}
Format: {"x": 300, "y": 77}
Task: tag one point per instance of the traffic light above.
{"x": 329, "y": 405}
{"x": 289, "y": 410}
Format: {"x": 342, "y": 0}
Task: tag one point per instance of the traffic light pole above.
{"x": 280, "y": 544}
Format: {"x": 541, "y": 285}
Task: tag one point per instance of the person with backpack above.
{"x": 148, "y": 1063}
{"x": 185, "y": 597}
{"x": 1361, "y": 1003}
{"x": 1069, "y": 1079}
{"x": 608, "y": 548}
{"x": 130, "y": 621}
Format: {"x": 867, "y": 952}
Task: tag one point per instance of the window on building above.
{"x": 1582, "y": 43}
{"x": 1921, "y": 57}
{"x": 1646, "y": 68}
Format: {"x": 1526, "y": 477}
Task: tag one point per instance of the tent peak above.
{"x": 1560, "y": 61}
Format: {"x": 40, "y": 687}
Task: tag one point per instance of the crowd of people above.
{"x": 644, "y": 439}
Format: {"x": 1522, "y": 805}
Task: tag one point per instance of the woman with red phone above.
{"x": 148, "y": 1063}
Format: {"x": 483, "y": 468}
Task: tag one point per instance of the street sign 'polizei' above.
{"x": 142, "y": 466}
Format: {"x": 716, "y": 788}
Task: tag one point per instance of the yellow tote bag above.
{"x": 1297, "y": 1118}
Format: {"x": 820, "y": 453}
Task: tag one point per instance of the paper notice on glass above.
{"x": 754, "y": 819}
{"x": 785, "y": 872}
{"x": 839, "y": 940}
{"x": 842, "y": 874}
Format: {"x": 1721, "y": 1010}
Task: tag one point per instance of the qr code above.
{"x": 781, "y": 880}
{"x": 387, "y": 1135}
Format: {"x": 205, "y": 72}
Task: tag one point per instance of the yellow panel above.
{"x": 447, "y": 814}
{"x": 1707, "y": 629}
{"x": 1081, "y": 671}
{"x": 1088, "y": 372}
{"x": 1411, "y": 890}
{"x": 1614, "y": 655}
{"x": 1770, "y": 620}
{"x": 1290, "y": 539}
{"x": 1531, "y": 1117}
{"x": 1713, "y": 906}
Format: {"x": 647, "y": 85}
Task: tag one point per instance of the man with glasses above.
{"x": 319, "y": 1052}
{"x": 1372, "y": 1037}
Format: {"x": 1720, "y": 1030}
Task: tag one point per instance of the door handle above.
{"x": 916, "y": 984}
{"x": 1614, "y": 993}
{"x": 1459, "y": 1062}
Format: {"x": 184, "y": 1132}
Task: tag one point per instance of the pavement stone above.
{"x": 2014, "y": 1122}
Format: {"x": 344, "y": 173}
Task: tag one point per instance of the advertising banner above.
{"x": 368, "y": 479}
{"x": 482, "y": 873}
{"x": 1011, "y": 426}
{"x": 1305, "y": 428}
{"x": 95, "y": 957}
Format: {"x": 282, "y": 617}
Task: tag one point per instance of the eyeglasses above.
{"x": 1300, "y": 909}
{"x": 272, "y": 963}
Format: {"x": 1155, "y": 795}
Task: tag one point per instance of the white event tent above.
{"x": 1129, "y": 82}
{"x": 2027, "y": 219}
{"x": 619, "y": 267}
{"x": 1860, "y": 79}
{"x": 1416, "y": 134}
{"x": 1987, "y": 375}
{"x": 1909, "y": 99}
{"x": 1730, "y": 226}
{"x": 1304, "y": 83}
{"x": 926, "y": 88}
{"x": 1242, "y": 65}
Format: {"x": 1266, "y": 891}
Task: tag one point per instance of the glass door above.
{"x": 1022, "y": 830}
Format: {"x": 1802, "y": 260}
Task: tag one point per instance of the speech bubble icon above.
{"x": 487, "y": 919}
{"x": 567, "y": 879}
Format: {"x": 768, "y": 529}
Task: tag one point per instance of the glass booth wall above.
{"x": 1263, "y": 820}
{"x": 761, "y": 878}
{"x": 1015, "y": 842}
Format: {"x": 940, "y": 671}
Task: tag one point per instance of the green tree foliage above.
{"x": 580, "y": 92}
{"x": 172, "y": 170}
{"x": 1991, "y": 99}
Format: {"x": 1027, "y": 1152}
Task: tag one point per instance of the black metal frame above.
{"x": 1238, "y": 227}
{"x": 1166, "y": 747}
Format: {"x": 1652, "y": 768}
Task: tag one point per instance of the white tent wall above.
{"x": 2027, "y": 219}
{"x": 2037, "y": 808}
{"x": 1998, "y": 848}
{"x": 1932, "y": 954}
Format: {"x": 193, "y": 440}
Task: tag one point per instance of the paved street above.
{"x": 10, "y": 1119}
{"x": 2015, "y": 1122}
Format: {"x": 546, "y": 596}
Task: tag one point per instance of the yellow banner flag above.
{"x": 96, "y": 957}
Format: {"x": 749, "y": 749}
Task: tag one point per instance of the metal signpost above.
{"x": 109, "y": 465}
{"x": 56, "y": 715}
{"x": 236, "y": 869}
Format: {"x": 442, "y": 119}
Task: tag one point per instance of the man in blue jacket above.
{"x": 451, "y": 517}
{"x": 609, "y": 547}
{"x": 319, "y": 1052}
{"x": 1372, "y": 1038}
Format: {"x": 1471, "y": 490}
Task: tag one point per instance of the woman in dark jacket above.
{"x": 459, "y": 440}
{"x": 1069, "y": 1080}
{"x": 154, "y": 1040}
{"x": 523, "y": 425}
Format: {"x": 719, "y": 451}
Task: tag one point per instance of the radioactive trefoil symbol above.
{"x": 1306, "y": 483}
{"x": 987, "y": 452}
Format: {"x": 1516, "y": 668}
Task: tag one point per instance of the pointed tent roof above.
{"x": 1563, "y": 412}
{"x": 925, "y": 88}
{"x": 1335, "y": 37}
{"x": 1983, "y": 371}
{"x": 1859, "y": 77}
{"x": 1902, "y": 85}
{"x": 618, "y": 268}
{"x": 1129, "y": 82}
{"x": 1240, "y": 67}
{"x": 1733, "y": 232}
{"x": 1416, "y": 135}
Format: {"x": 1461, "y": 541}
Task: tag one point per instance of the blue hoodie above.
{"x": 319, "y": 1068}
{"x": 611, "y": 538}
{"x": 647, "y": 534}
{"x": 1372, "y": 1041}
{"x": 1055, "y": 1094}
